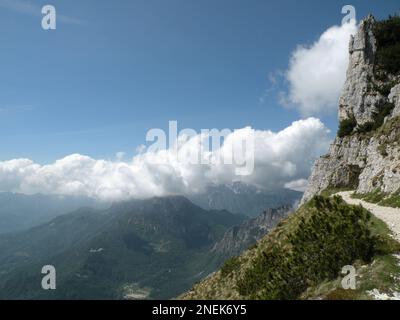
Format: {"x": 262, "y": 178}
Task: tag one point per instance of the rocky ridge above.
{"x": 239, "y": 238}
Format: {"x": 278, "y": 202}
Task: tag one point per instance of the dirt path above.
{"x": 391, "y": 216}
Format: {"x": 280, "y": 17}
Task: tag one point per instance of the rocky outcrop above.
{"x": 240, "y": 238}
{"x": 357, "y": 163}
{"x": 357, "y": 101}
{"x": 364, "y": 160}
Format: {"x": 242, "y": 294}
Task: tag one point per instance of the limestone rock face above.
{"x": 394, "y": 98}
{"x": 363, "y": 161}
{"x": 363, "y": 164}
{"x": 357, "y": 100}
{"x": 239, "y": 238}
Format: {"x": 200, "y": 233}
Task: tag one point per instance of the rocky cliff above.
{"x": 239, "y": 238}
{"x": 366, "y": 153}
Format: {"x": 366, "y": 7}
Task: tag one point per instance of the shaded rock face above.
{"x": 240, "y": 238}
{"x": 363, "y": 161}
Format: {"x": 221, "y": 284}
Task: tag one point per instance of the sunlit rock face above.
{"x": 364, "y": 161}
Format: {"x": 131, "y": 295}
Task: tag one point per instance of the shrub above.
{"x": 381, "y": 198}
{"x": 387, "y": 33}
{"x": 391, "y": 201}
{"x": 382, "y": 150}
{"x": 385, "y": 88}
{"x": 383, "y": 112}
{"x": 366, "y": 127}
{"x": 375, "y": 197}
{"x": 323, "y": 237}
{"x": 229, "y": 266}
{"x": 346, "y": 127}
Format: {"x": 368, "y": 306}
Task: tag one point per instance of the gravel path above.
{"x": 391, "y": 216}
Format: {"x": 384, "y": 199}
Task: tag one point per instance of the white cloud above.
{"x": 297, "y": 185}
{"x": 280, "y": 158}
{"x": 317, "y": 73}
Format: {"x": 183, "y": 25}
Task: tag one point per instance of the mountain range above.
{"x": 238, "y": 197}
{"x": 137, "y": 249}
{"x": 20, "y": 212}
{"x": 151, "y": 248}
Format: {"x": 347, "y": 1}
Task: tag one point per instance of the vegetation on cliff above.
{"x": 387, "y": 33}
{"x": 346, "y": 127}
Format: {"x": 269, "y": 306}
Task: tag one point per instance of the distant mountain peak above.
{"x": 242, "y": 198}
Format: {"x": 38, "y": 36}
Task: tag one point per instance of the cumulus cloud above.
{"x": 279, "y": 158}
{"x": 317, "y": 73}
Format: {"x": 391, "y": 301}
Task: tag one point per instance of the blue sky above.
{"x": 115, "y": 69}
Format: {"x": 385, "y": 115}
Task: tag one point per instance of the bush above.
{"x": 375, "y": 197}
{"x": 391, "y": 201}
{"x": 323, "y": 237}
{"x": 346, "y": 127}
{"x": 387, "y": 33}
{"x": 230, "y": 266}
{"x": 383, "y": 112}
{"x": 366, "y": 127}
{"x": 385, "y": 88}
{"x": 381, "y": 198}
{"x": 390, "y": 58}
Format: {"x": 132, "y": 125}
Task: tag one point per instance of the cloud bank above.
{"x": 280, "y": 157}
{"x": 317, "y": 73}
